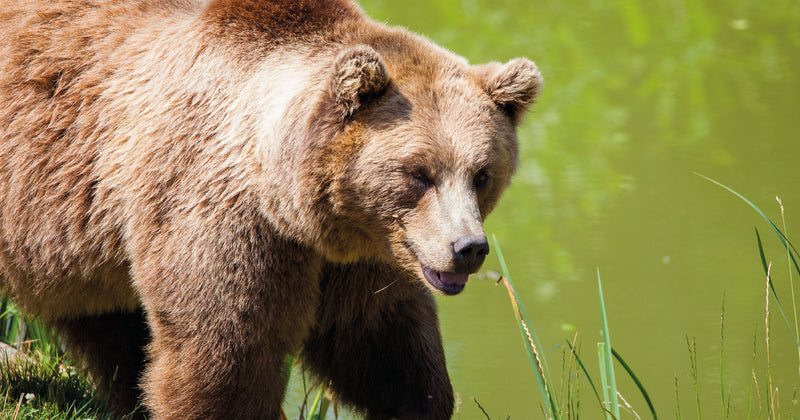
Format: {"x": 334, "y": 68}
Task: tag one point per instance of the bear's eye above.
{"x": 481, "y": 179}
{"x": 420, "y": 176}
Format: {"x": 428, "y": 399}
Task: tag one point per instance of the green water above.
{"x": 639, "y": 95}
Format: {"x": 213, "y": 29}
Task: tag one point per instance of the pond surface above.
{"x": 639, "y": 96}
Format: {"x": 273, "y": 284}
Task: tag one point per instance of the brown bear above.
{"x": 190, "y": 191}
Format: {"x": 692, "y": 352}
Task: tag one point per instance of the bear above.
{"x": 191, "y": 191}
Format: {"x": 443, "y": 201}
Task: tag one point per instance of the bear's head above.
{"x": 424, "y": 146}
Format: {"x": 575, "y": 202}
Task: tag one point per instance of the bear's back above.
{"x": 78, "y": 76}
{"x": 277, "y": 22}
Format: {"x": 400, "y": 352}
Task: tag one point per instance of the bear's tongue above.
{"x": 450, "y": 283}
{"x": 453, "y": 279}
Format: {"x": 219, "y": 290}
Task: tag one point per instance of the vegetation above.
{"x": 570, "y": 409}
{"x": 36, "y": 380}
{"x": 45, "y": 388}
{"x": 567, "y": 405}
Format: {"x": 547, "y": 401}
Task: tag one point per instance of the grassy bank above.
{"x": 36, "y": 380}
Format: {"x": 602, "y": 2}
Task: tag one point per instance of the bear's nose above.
{"x": 469, "y": 251}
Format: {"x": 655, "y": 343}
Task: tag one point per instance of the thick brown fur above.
{"x": 192, "y": 190}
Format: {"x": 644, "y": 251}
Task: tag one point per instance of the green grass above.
{"x": 42, "y": 383}
{"x": 45, "y": 384}
{"x": 45, "y": 388}
{"x": 317, "y": 408}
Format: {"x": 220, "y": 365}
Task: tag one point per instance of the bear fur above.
{"x": 190, "y": 191}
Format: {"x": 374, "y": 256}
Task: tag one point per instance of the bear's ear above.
{"x": 359, "y": 76}
{"x": 513, "y": 86}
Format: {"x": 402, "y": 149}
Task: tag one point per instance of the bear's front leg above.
{"x": 378, "y": 343}
{"x": 224, "y": 308}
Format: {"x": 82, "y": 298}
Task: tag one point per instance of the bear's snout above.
{"x": 469, "y": 251}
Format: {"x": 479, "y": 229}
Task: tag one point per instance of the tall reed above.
{"x": 530, "y": 341}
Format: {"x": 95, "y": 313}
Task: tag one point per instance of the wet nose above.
{"x": 469, "y": 251}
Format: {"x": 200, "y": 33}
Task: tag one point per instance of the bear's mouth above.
{"x": 448, "y": 283}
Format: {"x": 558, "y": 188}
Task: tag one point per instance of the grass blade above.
{"x": 784, "y": 240}
{"x": 530, "y": 339}
{"x": 609, "y": 361}
{"x": 772, "y": 289}
{"x": 722, "y": 355}
{"x": 601, "y": 358}
{"x": 586, "y": 373}
{"x": 791, "y": 277}
{"x": 319, "y": 409}
{"x": 637, "y": 382}
{"x": 692, "y": 345}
